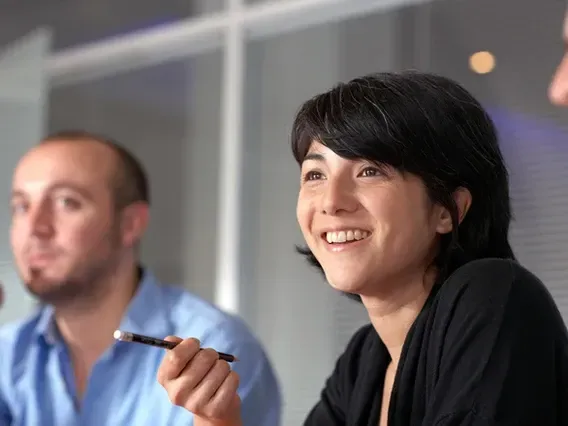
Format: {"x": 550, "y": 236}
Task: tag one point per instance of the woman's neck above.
{"x": 393, "y": 314}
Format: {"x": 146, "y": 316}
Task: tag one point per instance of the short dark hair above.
{"x": 431, "y": 127}
{"x": 130, "y": 182}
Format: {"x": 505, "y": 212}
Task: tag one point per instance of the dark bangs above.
{"x": 346, "y": 122}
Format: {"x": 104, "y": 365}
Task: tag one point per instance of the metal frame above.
{"x": 230, "y": 30}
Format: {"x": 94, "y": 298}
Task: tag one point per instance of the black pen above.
{"x": 125, "y": 336}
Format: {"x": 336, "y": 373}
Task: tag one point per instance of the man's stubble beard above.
{"x": 85, "y": 285}
{"x": 84, "y": 289}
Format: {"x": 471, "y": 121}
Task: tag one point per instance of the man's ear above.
{"x": 462, "y": 199}
{"x": 134, "y": 221}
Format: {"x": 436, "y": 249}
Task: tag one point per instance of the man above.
{"x": 558, "y": 90}
{"x": 80, "y": 207}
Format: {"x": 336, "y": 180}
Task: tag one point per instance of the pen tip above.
{"x": 117, "y": 334}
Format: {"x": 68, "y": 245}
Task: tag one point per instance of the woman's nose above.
{"x": 338, "y": 197}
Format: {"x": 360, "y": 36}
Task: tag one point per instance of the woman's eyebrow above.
{"x": 314, "y": 156}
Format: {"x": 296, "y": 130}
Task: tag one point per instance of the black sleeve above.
{"x": 504, "y": 351}
{"x": 334, "y": 398}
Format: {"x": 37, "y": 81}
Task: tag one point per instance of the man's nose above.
{"x": 41, "y": 222}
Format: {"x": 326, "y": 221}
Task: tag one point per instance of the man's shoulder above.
{"x": 16, "y": 338}
{"x": 19, "y": 331}
{"x": 192, "y": 315}
{"x": 259, "y": 388}
{"x": 183, "y": 300}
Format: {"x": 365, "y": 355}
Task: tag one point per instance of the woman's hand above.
{"x": 197, "y": 380}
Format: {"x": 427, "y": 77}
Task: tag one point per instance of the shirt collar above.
{"x": 45, "y": 327}
{"x": 147, "y": 313}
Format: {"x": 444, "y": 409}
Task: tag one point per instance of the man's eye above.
{"x": 18, "y": 208}
{"x": 68, "y": 203}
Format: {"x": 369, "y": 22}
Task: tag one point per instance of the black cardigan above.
{"x": 488, "y": 348}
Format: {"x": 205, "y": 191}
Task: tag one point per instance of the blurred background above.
{"x": 204, "y": 93}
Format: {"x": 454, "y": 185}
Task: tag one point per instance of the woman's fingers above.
{"x": 199, "y": 381}
{"x": 177, "y": 358}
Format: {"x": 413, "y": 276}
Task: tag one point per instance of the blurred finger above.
{"x": 226, "y": 396}
{"x": 181, "y": 390}
{"x": 211, "y": 383}
{"x": 177, "y": 358}
{"x": 174, "y": 339}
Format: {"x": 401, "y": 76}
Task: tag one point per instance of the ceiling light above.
{"x": 482, "y": 62}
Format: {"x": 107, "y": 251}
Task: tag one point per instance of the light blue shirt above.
{"x": 37, "y": 387}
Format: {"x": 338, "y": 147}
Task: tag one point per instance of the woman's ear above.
{"x": 462, "y": 199}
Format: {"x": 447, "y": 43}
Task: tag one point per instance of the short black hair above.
{"x": 431, "y": 127}
{"x": 130, "y": 182}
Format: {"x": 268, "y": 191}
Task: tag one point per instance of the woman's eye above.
{"x": 312, "y": 175}
{"x": 370, "y": 172}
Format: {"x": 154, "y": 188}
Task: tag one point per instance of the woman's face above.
{"x": 371, "y": 229}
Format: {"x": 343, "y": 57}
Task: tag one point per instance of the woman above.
{"x": 404, "y": 203}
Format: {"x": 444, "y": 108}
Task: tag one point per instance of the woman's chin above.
{"x": 345, "y": 285}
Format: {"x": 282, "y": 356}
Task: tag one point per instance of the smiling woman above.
{"x": 404, "y": 202}
{"x": 394, "y": 128}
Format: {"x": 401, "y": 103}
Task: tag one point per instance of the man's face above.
{"x": 65, "y": 233}
{"x": 558, "y": 90}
